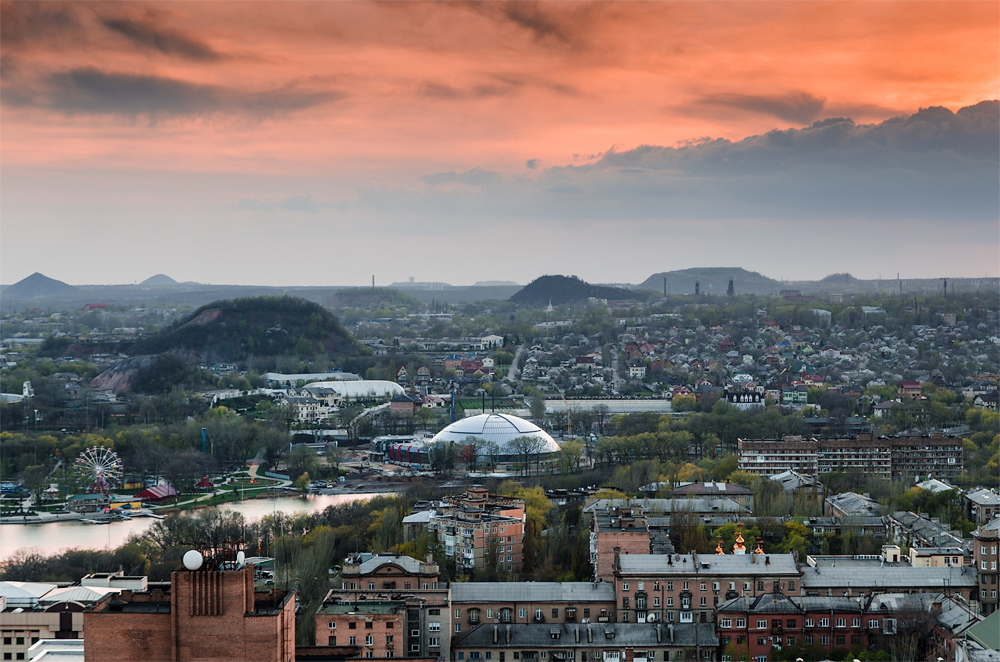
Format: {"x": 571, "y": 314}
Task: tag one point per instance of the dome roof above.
{"x": 500, "y": 429}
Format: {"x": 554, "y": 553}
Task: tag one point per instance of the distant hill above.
{"x": 712, "y": 280}
{"x": 261, "y": 326}
{"x": 371, "y": 297}
{"x": 159, "y": 279}
{"x": 564, "y": 289}
{"x": 37, "y": 286}
{"x": 496, "y": 283}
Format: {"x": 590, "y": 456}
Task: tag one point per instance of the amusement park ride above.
{"x": 99, "y": 470}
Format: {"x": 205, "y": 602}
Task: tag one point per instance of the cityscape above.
{"x": 500, "y": 331}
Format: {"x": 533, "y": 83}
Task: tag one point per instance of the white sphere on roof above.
{"x": 499, "y": 429}
{"x": 192, "y": 559}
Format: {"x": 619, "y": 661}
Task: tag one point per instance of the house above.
{"x": 404, "y": 405}
{"x": 637, "y": 371}
{"x": 909, "y": 390}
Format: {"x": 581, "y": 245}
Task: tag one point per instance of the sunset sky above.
{"x": 318, "y": 143}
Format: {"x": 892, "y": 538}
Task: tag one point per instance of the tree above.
{"x": 537, "y": 405}
{"x": 302, "y": 482}
{"x": 570, "y": 456}
{"x": 526, "y": 448}
{"x": 302, "y": 460}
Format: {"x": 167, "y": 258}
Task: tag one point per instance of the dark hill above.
{"x": 712, "y": 280}
{"x": 230, "y": 330}
{"x": 159, "y": 279}
{"x": 564, "y": 289}
{"x": 38, "y": 286}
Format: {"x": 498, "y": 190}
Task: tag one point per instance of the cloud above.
{"x": 146, "y": 35}
{"x": 481, "y": 91}
{"x": 24, "y": 23}
{"x": 90, "y": 91}
{"x": 932, "y": 165}
{"x": 532, "y": 164}
{"x": 799, "y": 107}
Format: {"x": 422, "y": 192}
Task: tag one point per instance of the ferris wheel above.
{"x": 99, "y": 469}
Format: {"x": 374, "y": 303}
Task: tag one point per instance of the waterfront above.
{"x": 55, "y": 537}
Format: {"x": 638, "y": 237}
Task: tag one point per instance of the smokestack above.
{"x": 373, "y": 281}
{"x": 697, "y": 288}
{"x": 731, "y": 291}
{"x": 664, "y": 286}
{"x": 945, "y": 288}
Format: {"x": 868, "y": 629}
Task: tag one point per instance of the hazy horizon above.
{"x": 318, "y": 143}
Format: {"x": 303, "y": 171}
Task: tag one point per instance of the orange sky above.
{"x": 319, "y": 98}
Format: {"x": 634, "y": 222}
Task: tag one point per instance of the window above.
{"x": 841, "y": 622}
{"x": 388, "y": 638}
{"x": 369, "y": 653}
{"x": 352, "y": 626}
{"x": 332, "y": 640}
{"x": 703, "y": 586}
{"x": 489, "y": 655}
{"x": 740, "y": 639}
{"x": 434, "y": 642}
{"x": 670, "y": 602}
{"x": 873, "y": 623}
{"x": 982, "y": 550}
{"x": 746, "y": 586}
{"x": 726, "y": 623}
{"x": 434, "y": 627}
{"x": 809, "y": 640}
{"x": 776, "y": 623}
{"x": 371, "y": 585}
{"x": 505, "y": 615}
{"x": 433, "y": 612}
{"x": 670, "y": 586}
{"x": 458, "y": 613}
{"x": 656, "y": 601}
{"x": 353, "y": 641}
{"x": 369, "y": 640}
{"x": 332, "y": 625}
{"x": 624, "y": 586}
{"x": 369, "y": 625}
{"x": 824, "y": 640}
{"x": 761, "y": 624}
{"x": 625, "y": 617}
{"x": 809, "y": 622}
{"x": 520, "y": 613}
{"x": 824, "y": 622}
{"x": 685, "y": 586}
{"x": 983, "y": 564}
{"x": 791, "y": 586}
{"x": 489, "y": 613}
{"x": 389, "y": 625}
{"x": 586, "y": 612}
{"x": 760, "y": 586}
{"x": 458, "y": 627}
{"x": 762, "y": 641}
{"x": 625, "y": 602}
{"x": 474, "y": 655}
{"x": 641, "y": 586}
{"x": 791, "y": 641}
{"x": 726, "y": 657}
{"x": 715, "y": 586}
{"x": 855, "y": 622}
{"x": 703, "y": 601}
{"x": 855, "y": 639}
{"x": 841, "y": 640}
{"x": 555, "y": 613}
{"x": 406, "y": 584}
{"x": 741, "y": 623}
{"x": 461, "y": 656}
{"x": 790, "y": 623}
{"x": 732, "y": 586}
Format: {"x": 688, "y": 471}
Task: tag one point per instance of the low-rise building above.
{"x": 486, "y": 603}
{"x": 850, "y": 504}
{"x": 981, "y": 505}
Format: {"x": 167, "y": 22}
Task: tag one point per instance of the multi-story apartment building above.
{"x": 483, "y": 603}
{"x": 619, "y": 529}
{"x": 986, "y": 544}
{"x": 756, "y": 628}
{"x": 938, "y": 456}
{"x": 479, "y": 529}
{"x": 387, "y": 603}
{"x": 683, "y": 588}
{"x": 587, "y": 642}
{"x": 982, "y": 505}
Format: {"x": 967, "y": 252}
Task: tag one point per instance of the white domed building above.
{"x": 496, "y": 434}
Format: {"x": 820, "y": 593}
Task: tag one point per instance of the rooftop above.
{"x": 532, "y": 592}
{"x": 563, "y": 635}
{"x": 709, "y": 564}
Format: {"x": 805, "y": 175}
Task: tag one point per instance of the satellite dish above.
{"x": 241, "y": 557}
{"x": 192, "y": 559}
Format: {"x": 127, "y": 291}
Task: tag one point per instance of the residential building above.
{"x": 850, "y": 504}
{"x": 739, "y": 493}
{"x": 986, "y": 540}
{"x": 919, "y": 530}
{"x": 404, "y": 404}
{"x": 909, "y": 390}
{"x": 857, "y": 576}
{"x": 685, "y": 588}
{"x": 478, "y": 528}
{"x": 586, "y": 642}
{"x": 982, "y": 505}
{"x": 482, "y": 603}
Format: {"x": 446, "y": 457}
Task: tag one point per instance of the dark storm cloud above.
{"x": 89, "y": 91}
{"x": 147, "y": 35}
{"x": 933, "y": 164}
{"x": 24, "y": 23}
{"x": 799, "y": 107}
{"x": 532, "y": 164}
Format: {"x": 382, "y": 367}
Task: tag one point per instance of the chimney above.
{"x": 659, "y": 634}
{"x": 753, "y": 558}
{"x": 670, "y": 630}
{"x": 507, "y": 637}
{"x": 590, "y": 635}
{"x": 576, "y": 635}
{"x": 494, "y": 634}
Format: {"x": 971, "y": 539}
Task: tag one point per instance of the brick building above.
{"x": 483, "y": 603}
{"x": 388, "y": 605}
{"x": 896, "y": 457}
{"x": 986, "y": 540}
{"x": 477, "y": 528}
{"x": 618, "y": 530}
{"x": 684, "y": 588}
{"x": 208, "y": 614}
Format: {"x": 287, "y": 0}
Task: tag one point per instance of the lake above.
{"x": 57, "y": 536}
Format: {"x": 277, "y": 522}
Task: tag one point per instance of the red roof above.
{"x": 157, "y": 492}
